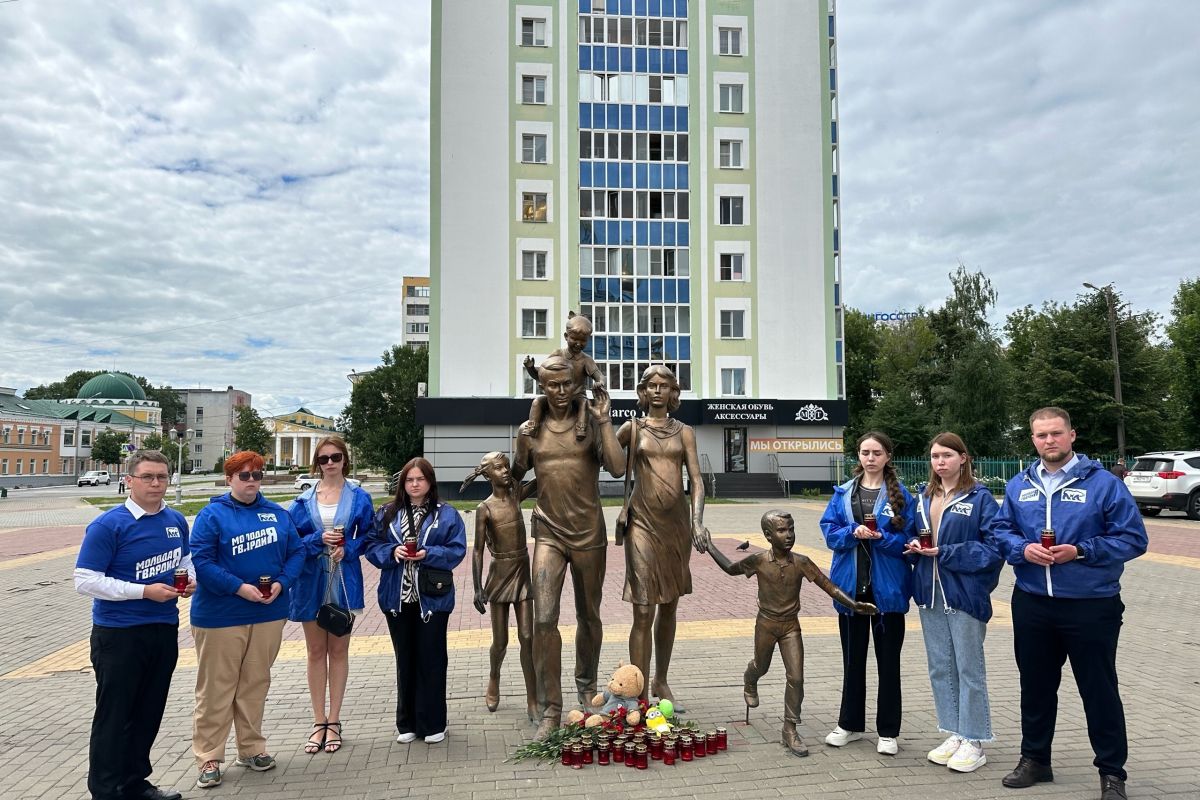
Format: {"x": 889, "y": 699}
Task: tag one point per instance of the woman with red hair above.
{"x": 246, "y": 554}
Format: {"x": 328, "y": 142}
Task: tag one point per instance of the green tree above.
{"x": 67, "y": 388}
{"x": 862, "y": 337}
{"x": 380, "y": 420}
{"x": 906, "y": 385}
{"x": 250, "y": 432}
{"x": 107, "y": 446}
{"x": 1184, "y": 362}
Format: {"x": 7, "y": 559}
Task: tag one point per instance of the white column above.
{"x": 295, "y": 449}
{"x": 278, "y": 449}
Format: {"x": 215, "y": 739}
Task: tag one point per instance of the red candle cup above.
{"x": 410, "y": 548}
{"x": 699, "y": 748}
{"x": 603, "y": 754}
{"x": 710, "y": 743}
{"x": 1047, "y": 538}
{"x": 686, "y": 748}
{"x": 565, "y": 755}
{"x": 630, "y": 755}
{"x": 264, "y": 586}
{"x": 643, "y": 756}
{"x": 181, "y": 580}
{"x": 925, "y": 538}
{"x": 576, "y": 756}
{"x": 340, "y": 532}
{"x": 656, "y": 748}
{"x": 670, "y": 751}
{"x": 722, "y": 739}
{"x": 618, "y": 751}
{"x": 588, "y": 757}
{"x": 870, "y": 521}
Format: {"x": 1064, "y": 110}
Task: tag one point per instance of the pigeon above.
{"x": 744, "y": 545}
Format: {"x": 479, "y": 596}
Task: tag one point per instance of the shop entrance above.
{"x": 735, "y": 449}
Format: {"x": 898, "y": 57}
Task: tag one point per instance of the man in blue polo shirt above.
{"x": 127, "y": 563}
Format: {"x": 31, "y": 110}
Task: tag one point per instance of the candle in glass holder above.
{"x": 925, "y": 537}
{"x": 603, "y": 753}
{"x": 264, "y": 586}
{"x": 181, "y": 580}
{"x": 1047, "y": 538}
{"x": 588, "y": 757}
{"x": 870, "y": 521}
{"x": 340, "y": 532}
{"x": 685, "y": 748}
{"x": 668, "y": 753}
{"x": 565, "y": 754}
{"x": 577, "y": 756}
{"x": 722, "y": 739}
{"x": 656, "y": 748}
{"x": 710, "y": 743}
{"x": 698, "y": 745}
{"x": 618, "y": 750}
{"x": 642, "y": 754}
{"x": 630, "y": 755}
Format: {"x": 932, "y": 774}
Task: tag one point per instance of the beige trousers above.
{"x": 232, "y": 679}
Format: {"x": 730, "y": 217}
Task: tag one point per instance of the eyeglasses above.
{"x": 151, "y": 478}
{"x": 256, "y": 475}
{"x": 334, "y": 458}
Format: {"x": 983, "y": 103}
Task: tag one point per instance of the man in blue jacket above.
{"x": 1068, "y": 526}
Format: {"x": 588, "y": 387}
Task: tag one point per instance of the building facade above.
{"x": 415, "y": 315}
{"x": 212, "y": 418}
{"x": 296, "y": 435}
{"x": 667, "y": 168}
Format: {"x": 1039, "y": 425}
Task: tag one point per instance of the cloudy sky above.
{"x": 216, "y": 192}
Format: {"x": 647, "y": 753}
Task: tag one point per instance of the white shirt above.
{"x": 93, "y": 583}
{"x": 1051, "y": 480}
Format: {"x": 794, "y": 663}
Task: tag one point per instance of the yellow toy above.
{"x": 657, "y": 721}
{"x": 624, "y": 688}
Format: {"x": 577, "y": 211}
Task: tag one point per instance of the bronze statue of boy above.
{"x": 578, "y": 332}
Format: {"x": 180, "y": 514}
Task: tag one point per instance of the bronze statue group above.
{"x": 1066, "y": 526}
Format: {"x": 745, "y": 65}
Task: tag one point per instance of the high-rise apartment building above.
{"x": 212, "y": 418}
{"x": 415, "y": 314}
{"x": 667, "y": 168}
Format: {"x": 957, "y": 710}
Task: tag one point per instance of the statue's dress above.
{"x": 659, "y": 537}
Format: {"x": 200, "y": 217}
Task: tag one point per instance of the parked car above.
{"x": 94, "y": 477}
{"x": 304, "y": 481}
{"x": 1168, "y": 480}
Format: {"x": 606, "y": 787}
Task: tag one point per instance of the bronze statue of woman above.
{"x": 660, "y": 523}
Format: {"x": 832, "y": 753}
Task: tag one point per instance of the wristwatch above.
{"x": 1078, "y": 553}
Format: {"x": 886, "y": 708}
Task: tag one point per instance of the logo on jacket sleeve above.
{"x": 886, "y": 511}
{"x": 1028, "y": 495}
{"x": 172, "y": 532}
{"x": 962, "y": 508}
{"x": 1074, "y": 495}
{"x": 266, "y": 517}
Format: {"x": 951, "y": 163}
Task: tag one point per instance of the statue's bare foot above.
{"x": 792, "y": 741}
{"x": 662, "y": 691}
{"x": 548, "y": 726}
{"x": 492, "y": 696}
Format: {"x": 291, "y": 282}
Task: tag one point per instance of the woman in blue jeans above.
{"x": 953, "y": 579}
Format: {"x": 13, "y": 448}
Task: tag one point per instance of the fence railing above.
{"x": 993, "y": 473}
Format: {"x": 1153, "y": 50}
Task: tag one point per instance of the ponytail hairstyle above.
{"x": 966, "y": 476}
{"x": 485, "y": 462}
{"x": 890, "y": 480}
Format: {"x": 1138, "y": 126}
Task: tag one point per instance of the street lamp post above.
{"x": 175, "y": 437}
{"x": 1112, "y": 332}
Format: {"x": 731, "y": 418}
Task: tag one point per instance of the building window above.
{"x": 731, "y": 154}
{"x": 733, "y": 382}
{"x": 533, "y": 323}
{"x": 198, "y": 434}
{"x": 3, "y": 466}
{"x": 416, "y": 310}
{"x": 731, "y": 41}
{"x": 533, "y": 90}
{"x": 416, "y": 327}
{"x": 731, "y": 98}
{"x": 85, "y": 438}
{"x": 533, "y": 32}
{"x": 418, "y": 291}
{"x": 4, "y": 433}
{"x": 199, "y": 413}
{"x": 731, "y": 267}
{"x": 732, "y": 211}
{"x": 533, "y": 148}
{"x": 733, "y": 324}
{"x": 68, "y": 437}
{"x": 197, "y": 448}
{"x": 533, "y": 265}
{"x": 20, "y": 436}
{"x": 533, "y": 206}
{"x": 20, "y": 466}
{"x": 45, "y": 466}
{"x": 64, "y": 467}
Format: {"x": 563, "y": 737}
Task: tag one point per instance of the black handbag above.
{"x": 332, "y": 617}
{"x": 434, "y": 582}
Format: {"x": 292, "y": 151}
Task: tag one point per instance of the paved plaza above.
{"x": 46, "y": 690}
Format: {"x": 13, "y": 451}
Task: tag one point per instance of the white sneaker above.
{"x": 434, "y": 738}
{"x": 839, "y": 737}
{"x": 946, "y": 750}
{"x": 887, "y": 746}
{"x": 405, "y": 738}
{"x": 969, "y": 757}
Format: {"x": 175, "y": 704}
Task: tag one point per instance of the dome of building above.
{"x": 111, "y": 386}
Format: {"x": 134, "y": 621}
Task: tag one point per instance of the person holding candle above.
{"x": 416, "y": 538}
{"x": 867, "y": 523}
{"x": 238, "y": 539}
{"x": 957, "y": 565}
{"x": 1067, "y": 526}
{"x": 129, "y": 563}
{"x": 333, "y": 519}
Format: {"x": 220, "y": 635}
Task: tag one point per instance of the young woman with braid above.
{"x": 867, "y": 524}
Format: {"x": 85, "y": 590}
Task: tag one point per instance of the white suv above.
{"x": 94, "y": 478}
{"x": 1168, "y": 480}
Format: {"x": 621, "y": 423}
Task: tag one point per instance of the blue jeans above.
{"x": 957, "y": 673}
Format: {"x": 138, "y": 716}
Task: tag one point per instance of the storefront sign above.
{"x": 796, "y": 445}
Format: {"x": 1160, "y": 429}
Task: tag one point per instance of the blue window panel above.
{"x": 585, "y": 58}
{"x": 642, "y": 290}
{"x": 642, "y": 113}
{"x": 627, "y": 292}
{"x": 671, "y": 345}
{"x": 668, "y": 8}
{"x": 585, "y": 6}
{"x": 585, "y": 115}
{"x": 585, "y": 291}
{"x": 837, "y": 351}
{"x": 681, "y": 176}
{"x": 685, "y": 291}
{"x": 639, "y": 7}
{"x": 627, "y": 7}
{"x": 681, "y": 8}
{"x": 614, "y": 290}
{"x": 643, "y": 232}
{"x": 668, "y": 61}
{"x": 681, "y": 234}
{"x": 656, "y": 347}
{"x": 614, "y": 174}
{"x": 627, "y": 118}
{"x": 640, "y": 59}
{"x": 833, "y": 131}
{"x": 655, "y": 8}
{"x": 656, "y": 118}
{"x": 612, "y": 6}
{"x": 599, "y": 293}
{"x": 614, "y": 232}
{"x": 656, "y": 290}
{"x": 656, "y": 176}
{"x": 669, "y": 233}
{"x": 656, "y": 233}
{"x": 643, "y": 348}
{"x": 669, "y": 292}
{"x": 685, "y": 348}
{"x": 626, "y": 59}
{"x": 585, "y": 232}
{"x": 598, "y": 57}
{"x": 613, "y": 117}
{"x": 668, "y": 118}
{"x": 642, "y": 176}
{"x": 598, "y": 233}
{"x": 596, "y": 113}
{"x": 585, "y": 174}
{"x": 627, "y": 233}
{"x": 681, "y": 62}
{"x": 655, "y": 60}
{"x": 835, "y": 188}
{"x": 627, "y": 348}
{"x": 599, "y": 347}
{"x": 626, "y": 175}
{"x": 668, "y": 176}
{"x": 681, "y": 119}
{"x": 837, "y": 290}
{"x": 613, "y": 58}
{"x": 598, "y": 175}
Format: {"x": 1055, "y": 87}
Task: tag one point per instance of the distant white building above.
{"x": 212, "y": 418}
{"x": 415, "y": 315}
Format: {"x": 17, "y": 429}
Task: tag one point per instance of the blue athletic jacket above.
{"x": 891, "y": 575}
{"x": 968, "y": 562}
{"x": 1092, "y": 510}
{"x": 234, "y": 543}
{"x": 357, "y": 513}
{"x": 443, "y": 537}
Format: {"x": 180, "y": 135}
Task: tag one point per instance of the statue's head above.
{"x": 578, "y": 332}
{"x": 658, "y": 386}
{"x": 557, "y": 381}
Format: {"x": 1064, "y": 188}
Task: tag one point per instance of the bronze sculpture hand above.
{"x": 868, "y": 609}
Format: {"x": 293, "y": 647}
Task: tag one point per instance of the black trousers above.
{"x": 1049, "y": 630}
{"x": 421, "y": 664}
{"x": 133, "y": 676}
{"x": 888, "y": 632}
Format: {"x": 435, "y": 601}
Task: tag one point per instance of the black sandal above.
{"x": 333, "y": 745}
{"x": 313, "y": 746}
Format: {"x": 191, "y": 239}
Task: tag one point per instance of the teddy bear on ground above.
{"x": 624, "y": 688}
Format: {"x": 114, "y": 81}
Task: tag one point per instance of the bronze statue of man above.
{"x": 568, "y": 530}
{"x": 659, "y": 523}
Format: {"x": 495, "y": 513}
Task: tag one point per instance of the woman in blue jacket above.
{"x": 952, "y": 584}
{"x": 867, "y": 523}
{"x": 416, "y": 594}
{"x": 332, "y": 573}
